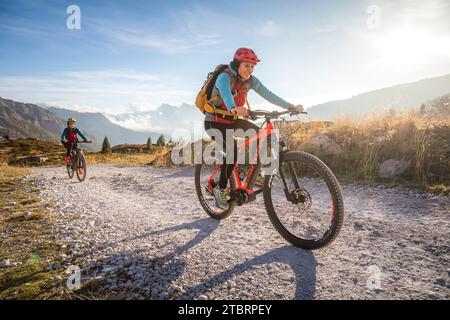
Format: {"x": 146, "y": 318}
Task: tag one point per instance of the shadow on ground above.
{"x": 172, "y": 265}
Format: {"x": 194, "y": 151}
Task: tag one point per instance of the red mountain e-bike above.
{"x": 302, "y": 196}
{"x": 77, "y": 162}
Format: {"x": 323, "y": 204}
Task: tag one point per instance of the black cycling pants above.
{"x": 227, "y": 169}
{"x": 68, "y": 147}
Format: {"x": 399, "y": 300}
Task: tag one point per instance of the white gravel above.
{"x": 143, "y": 231}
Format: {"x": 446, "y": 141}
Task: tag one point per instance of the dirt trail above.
{"x": 143, "y": 231}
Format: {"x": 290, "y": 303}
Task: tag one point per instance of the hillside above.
{"x": 13, "y": 151}
{"x": 18, "y": 152}
{"x": 438, "y": 108}
{"x": 166, "y": 118}
{"x": 400, "y": 97}
{"x": 26, "y": 120}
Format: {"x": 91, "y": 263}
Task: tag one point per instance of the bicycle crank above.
{"x": 241, "y": 196}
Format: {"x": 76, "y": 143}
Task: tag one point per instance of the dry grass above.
{"x": 440, "y": 189}
{"x": 26, "y": 239}
{"x": 9, "y": 173}
{"x": 366, "y": 144}
{"x": 126, "y": 158}
{"x": 13, "y": 150}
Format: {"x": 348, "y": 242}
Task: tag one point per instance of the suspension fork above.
{"x": 288, "y": 195}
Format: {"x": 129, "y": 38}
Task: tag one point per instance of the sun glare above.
{"x": 409, "y": 45}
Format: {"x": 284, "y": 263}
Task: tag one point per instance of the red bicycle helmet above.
{"x": 246, "y": 54}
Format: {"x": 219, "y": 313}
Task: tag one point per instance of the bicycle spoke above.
{"x": 207, "y": 196}
{"x": 310, "y": 218}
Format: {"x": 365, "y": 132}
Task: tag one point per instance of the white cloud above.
{"x": 268, "y": 29}
{"x": 111, "y": 91}
{"x": 168, "y": 44}
{"x": 135, "y": 122}
{"x": 324, "y": 29}
{"x": 185, "y": 32}
{"x": 423, "y": 10}
{"x": 140, "y": 107}
{"x": 102, "y": 75}
{"x": 21, "y": 30}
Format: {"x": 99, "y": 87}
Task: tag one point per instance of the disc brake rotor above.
{"x": 302, "y": 198}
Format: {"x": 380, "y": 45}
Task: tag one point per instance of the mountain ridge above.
{"x": 400, "y": 97}
{"x": 100, "y": 126}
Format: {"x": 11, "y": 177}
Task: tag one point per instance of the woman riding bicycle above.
{"x": 70, "y": 134}
{"x": 231, "y": 87}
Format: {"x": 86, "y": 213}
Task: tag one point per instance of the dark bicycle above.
{"x": 77, "y": 161}
{"x": 302, "y": 196}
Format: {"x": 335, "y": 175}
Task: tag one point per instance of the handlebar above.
{"x": 79, "y": 141}
{"x": 253, "y": 115}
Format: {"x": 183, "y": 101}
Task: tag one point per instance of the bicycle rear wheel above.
{"x": 306, "y": 207}
{"x": 81, "y": 167}
{"x": 203, "y": 173}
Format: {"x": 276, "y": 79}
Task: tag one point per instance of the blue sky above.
{"x": 135, "y": 56}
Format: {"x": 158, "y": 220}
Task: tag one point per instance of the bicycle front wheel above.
{"x": 304, "y": 201}
{"x": 70, "y": 171}
{"x": 81, "y": 167}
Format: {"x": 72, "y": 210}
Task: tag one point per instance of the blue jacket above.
{"x": 71, "y": 134}
{"x": 223, "y": 85}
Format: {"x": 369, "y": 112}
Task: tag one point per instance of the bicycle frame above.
{"x": 255, "y": 167}
{"x": 75, "y": 149}
{"x": 74, "y": 146}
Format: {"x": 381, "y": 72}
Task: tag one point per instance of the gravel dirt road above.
{"x": 142, "y": 232}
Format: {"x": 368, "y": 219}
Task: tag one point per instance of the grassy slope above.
{"x": 31, "y": 244}
{"x": 27, "y": 241}
{"x": 16, "y": 149}
{"x": 366, "y": 144}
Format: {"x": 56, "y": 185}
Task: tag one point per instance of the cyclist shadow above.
{"x": 183, "y": 173}
{"x": 204, "y": 226}
{"x": 171, "y": 265}
{"x": 302, "y": 262}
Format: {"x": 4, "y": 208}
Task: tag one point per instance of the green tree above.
{"x": 149, "y": 143}
{"x": 161, "y": 141}
{"x": 106, "y": 147}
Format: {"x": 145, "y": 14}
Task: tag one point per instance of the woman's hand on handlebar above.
{"x": 241, "y": 112}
